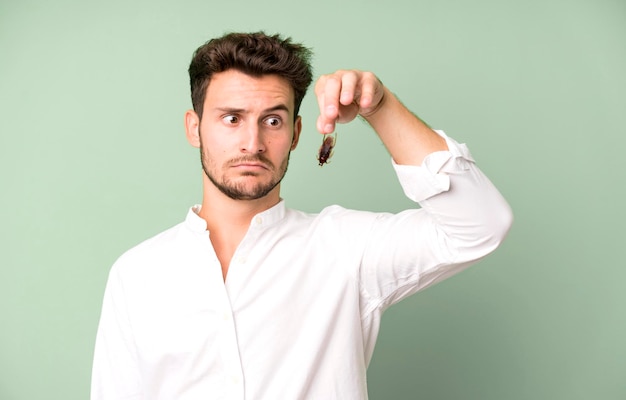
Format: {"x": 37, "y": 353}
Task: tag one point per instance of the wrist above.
{"x": 370, "y": 113}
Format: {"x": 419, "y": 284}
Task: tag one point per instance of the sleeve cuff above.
{"x": 432, "y": 177}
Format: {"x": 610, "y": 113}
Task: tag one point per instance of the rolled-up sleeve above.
{"x": 463, "y": 218}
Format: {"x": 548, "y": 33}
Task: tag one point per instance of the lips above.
{"x": 251, "y": 164}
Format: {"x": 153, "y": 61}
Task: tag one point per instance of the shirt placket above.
{"x": 232, "y": 373}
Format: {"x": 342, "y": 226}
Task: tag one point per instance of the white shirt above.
{"x": 299, "y": 313}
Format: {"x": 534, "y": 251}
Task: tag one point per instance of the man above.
{"x": 248, "y": 299}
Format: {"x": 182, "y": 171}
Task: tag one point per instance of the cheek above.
{"x": 215, "y": 147}
{"x": 284, "y": 148}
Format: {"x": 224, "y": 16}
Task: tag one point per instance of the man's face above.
{"x": 246, "y": 133}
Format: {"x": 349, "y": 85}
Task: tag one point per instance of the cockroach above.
{"x": 326, "y": 149}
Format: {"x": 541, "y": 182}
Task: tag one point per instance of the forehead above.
{"x": 233, "y": 88}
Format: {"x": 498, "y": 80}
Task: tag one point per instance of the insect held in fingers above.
{"x": 326, "y": 149}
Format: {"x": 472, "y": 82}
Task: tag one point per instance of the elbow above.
{"x": 503, "y": 224}
{"x": 496, "y": 227}
{"x": 487, "y": 231}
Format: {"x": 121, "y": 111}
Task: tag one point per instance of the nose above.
{"x": 252, "y": 140}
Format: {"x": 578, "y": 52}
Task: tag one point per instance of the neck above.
{"x": 228, "y": 220}
{"x": 225, "y": 214}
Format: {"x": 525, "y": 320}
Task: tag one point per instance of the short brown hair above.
{"x": 255, "y": 54}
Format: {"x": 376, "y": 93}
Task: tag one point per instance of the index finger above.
{"x": 327, "y": 90}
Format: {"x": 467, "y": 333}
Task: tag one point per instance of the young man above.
{"x": 248, "y": 299}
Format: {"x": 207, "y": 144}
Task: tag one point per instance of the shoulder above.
{"x": 332, "y": 211}
{"x": 338, "y": 220}
{"x": 155, "y": 250}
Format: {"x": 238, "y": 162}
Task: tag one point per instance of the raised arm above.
{"x": 462, "y": 218}
{"x": 345, "y": 94}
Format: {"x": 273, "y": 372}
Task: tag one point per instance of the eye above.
{"x": 230, "y": 119}
{"x": 273, "y": 121}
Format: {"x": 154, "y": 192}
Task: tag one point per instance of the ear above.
{"x": 297, "y": 128}
{"x": 192, "y": 128}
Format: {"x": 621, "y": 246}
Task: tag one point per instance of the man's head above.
{"x": 255, "y": 54}
{"x": 246, "y": 91}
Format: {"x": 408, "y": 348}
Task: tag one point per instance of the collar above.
{"x": 263, "y": 219}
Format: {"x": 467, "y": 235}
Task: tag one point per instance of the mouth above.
{"x": 250, "y": 166}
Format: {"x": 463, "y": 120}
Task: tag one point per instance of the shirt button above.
{"x": 225, "y": 316}
{"x": 258, "y": 220}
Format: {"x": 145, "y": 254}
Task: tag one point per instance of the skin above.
{"x": 246, "y": 134}
{"x": 248, "y": 130}
{"x": 343, "y": 95}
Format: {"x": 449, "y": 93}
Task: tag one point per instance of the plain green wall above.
{"x": 94, "y": 160}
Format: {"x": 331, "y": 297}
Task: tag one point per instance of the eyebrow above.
{"x": 234, "y": 110}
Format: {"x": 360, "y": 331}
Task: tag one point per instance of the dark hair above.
{"x": 255, "y": 54}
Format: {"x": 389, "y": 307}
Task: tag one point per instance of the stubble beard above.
{"x": 242, "y": 190}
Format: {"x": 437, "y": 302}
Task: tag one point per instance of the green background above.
{"x": 93, "y": 159}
